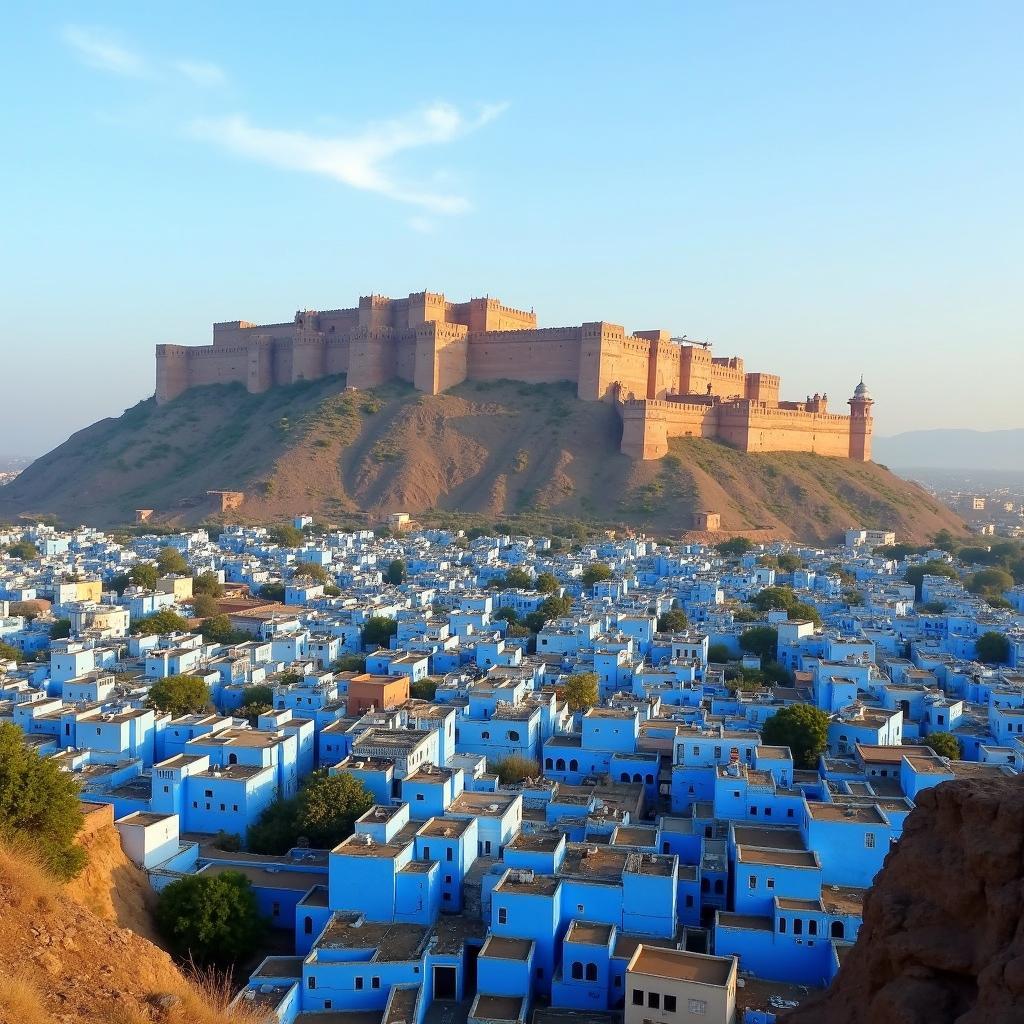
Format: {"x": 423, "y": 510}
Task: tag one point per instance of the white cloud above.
{"x": 100, "y": 50}
{"x": 355, "y": 160}
{"x": 199, "y": 72}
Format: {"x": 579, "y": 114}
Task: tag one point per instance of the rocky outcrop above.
{"x": 943, "y": 934}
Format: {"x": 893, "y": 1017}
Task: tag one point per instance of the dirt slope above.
{"x": 496, "y": 450}
{"x": 943, "y": 934}
{"x": 62, "y": 963}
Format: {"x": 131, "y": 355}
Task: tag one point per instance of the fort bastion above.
{"x": 663, "y": 387}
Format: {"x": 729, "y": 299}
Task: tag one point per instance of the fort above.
{"x": 663, "y": 387}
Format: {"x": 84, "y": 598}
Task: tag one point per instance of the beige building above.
{"x": 179, "y": 587}
{"x": 673, "y": 986}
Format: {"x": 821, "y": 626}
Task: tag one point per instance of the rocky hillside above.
{"x": 62, "y": 962}
{"x": 943, "y": 934}
{"x": 494, "y": 450}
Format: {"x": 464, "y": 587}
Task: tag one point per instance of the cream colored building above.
{"x": 180, "y": 587}
{"x": 673, "y": 986}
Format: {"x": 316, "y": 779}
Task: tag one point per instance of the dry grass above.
{"x": 21, "y": 1001}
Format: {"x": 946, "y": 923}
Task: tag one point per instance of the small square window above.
{"x": 638, "y": 997}
{"x": 670, "y": 1004}
{"x": 654, "y": 1000}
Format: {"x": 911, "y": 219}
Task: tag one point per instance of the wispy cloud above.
{"x": 200, "y": 72}
{"x": 355, "y": 160}
{"x": 103, "y": 51}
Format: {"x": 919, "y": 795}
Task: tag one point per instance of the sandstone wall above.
{"x": 544, "y": 356}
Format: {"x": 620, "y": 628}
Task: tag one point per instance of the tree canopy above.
{"x": 163, "y": 621}
{"x": 517, "y": 578}
{"x": 580, "y": 691}
{"x": 211, "y": 919}
{"x": 397, "y": 573}
{"x": 207, "y": 583}
{"x": 916, "y": 573}
{"x": 734, "y": 546}
{"x": 60, "y": 629}
{"x": 180, "y": 695}
{"x": 672, "y": 621}
{"x": 312, "y": 571}
{"x": 990, "y": 582}
{"x": 801, "y": 727}
{"x": 553, "y": 607}
{"x": 286, "y": 535}
{"x": 171, "y": 561}
{"x": 204, "y": 606}
{"x": 378, "y": 631}
{"x": 23, "y": 549}
{"x": 943, "y": 743}
{"x": 596, "y": 572}
{"x": 515, "y": 768}
{"x": 992, "y": 648}
{"x": 546, "y": 583}
{"x": 760, "y": 640}
{"x": 39, "y": 804}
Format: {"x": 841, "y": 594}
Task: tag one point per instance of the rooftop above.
{"x": 682, "y": 965}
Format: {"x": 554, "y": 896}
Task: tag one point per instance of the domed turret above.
{"x": 861, "y": 391}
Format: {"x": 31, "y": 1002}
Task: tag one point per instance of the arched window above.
{"x": 591, "y": 972}
{"x": 548, "y": 763}
{"x": 638, "y": 777}
{"x": 232, "y": 759}
{"x": 624, "y": 777}
{"x": 307, "y": 926}
{"x": 485, "y": 735}
{"x": 560, "y": 764}
{"x": 649, "y": 779}
{"x": 705, "y": 885}
{"x": 798, "y": 926}
{"x": 513, "y": 736}
{"x": 838, "y": 930}
{"x": 782, "y": 926}
{"x": 574, "y": 765}
{"x": 577, "y": 970}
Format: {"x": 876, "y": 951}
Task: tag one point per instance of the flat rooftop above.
{"x": 681, "y": 965}
{"x": 507, "y": 948}
{"x": 589, "y": 932}
{"x": 497, "y": 1008}
{"x": 391, "y": 942}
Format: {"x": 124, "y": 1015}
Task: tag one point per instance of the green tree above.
{"x": 39, "y": 804}
{"x": 397, "y": 572}
{"x": 423, "y": 689}
{"x": 596, "y": 572}
{"x": 719, "y": 654}
{"x": 144, "y": 575}
{"x": 934, "y": 607}
{"x": 517, "y": 578}
{"x": 990, "y": 582}
{"x": 119, "y": 583}
{"x": 312, "y": 571}
{"x": 272, "y": 591}
{"x": 916, "y": 573}
{"x": 774, "y": 599}
{"x": 61, "y": 629}
{"x": 801, "y": 727}
{"x": 180, "y": 695}
{"x": 515, "y": 768}
{"x": 734, "y": 547}
{"x": 170, "y": 561}
{"x": 328, "y": 806}
{"x": 580, "y": 691}
{"x": 287, "y": 536}
{"x": 218, "y": 630}
{"x": 801, "y": 611}
{"x": 163, "y": 621}
{"x": 992, "y": 648}
{"x": 205, "y": 606}
{"x": 945, "y": 744}
{"x": 790, "y": 563}
{"x": 378, "y": 631}
{"x": 275, "y": 830}
{"x": 350, "y": 663}
{"x": 9, "y": 653}
{"x": 207, "y": 583}
{"x": 508, "y": 614}
{"x": 553, "y": 607}
{"x": 672, "y": 621}
{"x": 211, "y": 919}
{"x": 258, "y": 693}
{"x": 945, "y": 541}
{"x": 546, "y": 583}
{"x": 24, "y": 550}
{"x": 251, "y": 712}
{"x": 760, "y": 640}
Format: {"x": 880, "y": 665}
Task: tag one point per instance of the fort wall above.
{"x": 664, "y": 388}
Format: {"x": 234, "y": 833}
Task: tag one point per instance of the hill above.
{"x": 953, "y": 449}
{"x": 942, "y": 937}
{"x": 490, "y": 450}
{"x": 64, "y": 961}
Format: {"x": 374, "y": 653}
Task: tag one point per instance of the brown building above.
{"x": 664, "y": 986}
{"x": 368, "y": 692}
{"x": 663, "y": 387}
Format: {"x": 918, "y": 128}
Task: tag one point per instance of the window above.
{"x": 359, "y": 984}
{"x": 328, "y": 1004}
{"x": 838, "y": 930}
{"x": 311, "y": 983}
{"x": 670, "y": 1004}
{"x": 375, "y": 983}
{"x": 307, "y": 926}
{"x": 869, "y": 840}
{"x": 513, "y": 736}
{"x": 419, "y": 796}
{"x": 689, "y": 899}
{"x": 753, "y": 811}
{"x": 591, "y": 972}
{"x": 485, "y": 735}
{"x": 638, "y": 997}
{"x": 654, "y": 1000}
{"x": 798, "y": 926}
{"x": 502, "y": 915}
{"x": 275, "y": 908}
{"x": 752, "y": 882}
{"x": 448, "y": 879}
{"x": 426, "y": 853}
{"x": 699, "y": 1007}
{"x": 579, "y": 908}
{"x": 782, "y": 926}
{"x": 771, "y": 883}
{"x": 577, "y": 970}
{"x": 812, "y": 927}
{"x": 789, "y": 812}
{"x": 208, "y": 793}
{"x": 448, "y": 854}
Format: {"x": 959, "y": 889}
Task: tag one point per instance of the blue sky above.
{"x": 824, "y": 189}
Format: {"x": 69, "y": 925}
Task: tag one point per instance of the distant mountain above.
{"x": 491, "y": 450}
{"x": 953, "y": 449}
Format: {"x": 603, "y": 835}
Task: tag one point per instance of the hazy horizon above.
{"x": 825, "y": 192}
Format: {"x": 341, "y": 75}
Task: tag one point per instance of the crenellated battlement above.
{"x": 663, "y": 386}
